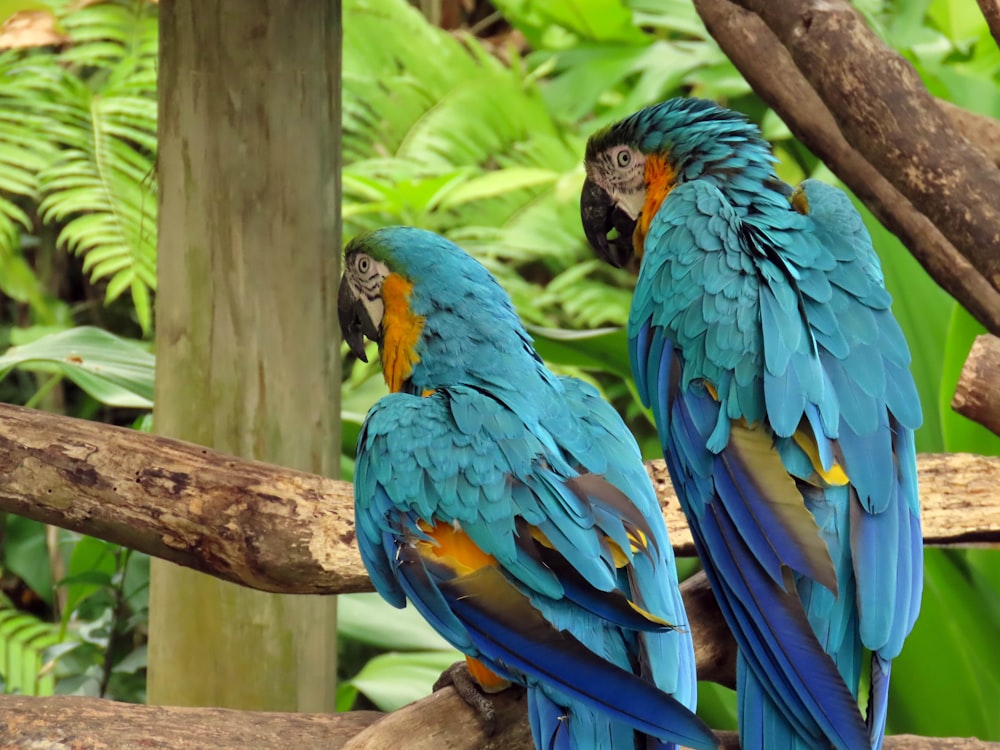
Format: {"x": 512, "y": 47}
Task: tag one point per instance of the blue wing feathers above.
{"x": 572, "y": 592}
{"x": 786, "y": 316}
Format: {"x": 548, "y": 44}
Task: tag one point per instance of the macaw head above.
{"x": 634, "y": 164}
{"x": 438, "y": 316}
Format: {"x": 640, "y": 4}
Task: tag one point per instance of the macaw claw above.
{"x": 458, "y": 676}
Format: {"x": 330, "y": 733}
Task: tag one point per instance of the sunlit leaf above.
{"x": 604, "y": 349}
{"x": 392, "y": 680}
{"x": 113, "y": 370}
{"x": 944, "y": 683}
{"x": 370, "y": 619}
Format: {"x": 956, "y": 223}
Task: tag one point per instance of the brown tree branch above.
{"x": 977, "y": 395}
{"x": 991, "y": 12}
{"x": 440, "y": 722}
{"x": 981, "y": 131}
{"x": 277, "y": 529}
{"x": 771, "y": 71}
{"x": 886, "y": 113}
{"x": 64, "y": 722}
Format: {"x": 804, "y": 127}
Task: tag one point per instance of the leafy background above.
{"x": 501, "y": 175}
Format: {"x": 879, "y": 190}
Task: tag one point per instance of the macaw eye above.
{"x": 363, "y": 264}
{"x": 623, "y": 158}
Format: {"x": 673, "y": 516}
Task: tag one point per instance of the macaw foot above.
{"x": 459, "y": 677}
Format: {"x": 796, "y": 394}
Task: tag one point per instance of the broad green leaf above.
{"x": 605, "y": 349}
{"x": 347, "y": 694}
{"x": 590, "y": 20}
{"x": 113, "y": 370}
{"x": 92, "y": 563}
{"x": 945, "y": 683}
{"x": 960, "y": 20}
{"x": 492, "y": 184}
{"x": 717, "y": 706}
{"x": 133, "y": 662}
{"x": 392, "y": 680}
{"x": 26, "y": 554}
{"x": 370, "y": 619}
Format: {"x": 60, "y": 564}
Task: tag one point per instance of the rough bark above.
{"x": 991, "y": 12}
{"x": 276, "y": 529}
{"x": 256, "y": 524}
{"x": 981, "y": 131}
{"x": 439, "y": 722}
{"x": 71, "y": 723}
{"x": 771, "y": 70}
{"x": 977, "y": 395}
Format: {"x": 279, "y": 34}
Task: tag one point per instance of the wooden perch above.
{"x": 277, "y": 529}
{"x": 439, "y": 722}
{"x": 771, "y": 70}
{"x": 977, "y": 395}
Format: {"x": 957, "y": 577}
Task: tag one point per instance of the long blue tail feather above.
{"x": 515, "y": 635}
{"x": 878, "y": 699}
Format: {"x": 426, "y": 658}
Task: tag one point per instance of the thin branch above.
{"x": 977, "y": 395}
{"x": 886, "y": 113}
{"x": 771, "y": 71}
{"x": 991, "y": 12}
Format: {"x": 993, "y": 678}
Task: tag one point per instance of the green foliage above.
{"x": 391, "y": 657}
{"x": 77, "y": 231}
{"x": 112, "y": 370}
{"x": 24, "y": 639}
{"x": 77, "y": 148}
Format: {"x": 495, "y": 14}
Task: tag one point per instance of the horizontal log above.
{"x": 68, "y": 722}
{"x": 439, "y": 722}
{"x": 277, "y": 529}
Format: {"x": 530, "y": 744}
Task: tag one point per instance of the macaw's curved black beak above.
{"x": 608, "y": 228}
{"x": 355, "y": 323}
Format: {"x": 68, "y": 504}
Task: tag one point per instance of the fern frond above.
{"x": 23, "y": 641}
{"x": 100, "y": 186}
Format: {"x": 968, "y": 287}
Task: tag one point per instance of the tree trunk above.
{"x": 247, "y": 338}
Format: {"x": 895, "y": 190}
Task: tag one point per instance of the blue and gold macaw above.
{"x": 760, "y": 335}
{"x": 511, "y": 506}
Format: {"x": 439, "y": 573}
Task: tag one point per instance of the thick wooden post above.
{"x": 247, "y": 337}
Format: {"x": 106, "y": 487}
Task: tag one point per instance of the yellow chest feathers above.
{"x": 400, "y": 332}
{"x": 660, "y": 180}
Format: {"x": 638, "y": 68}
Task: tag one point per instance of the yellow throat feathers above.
{"x": 400, "y": 332}
{"x": 659, "y": 182}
